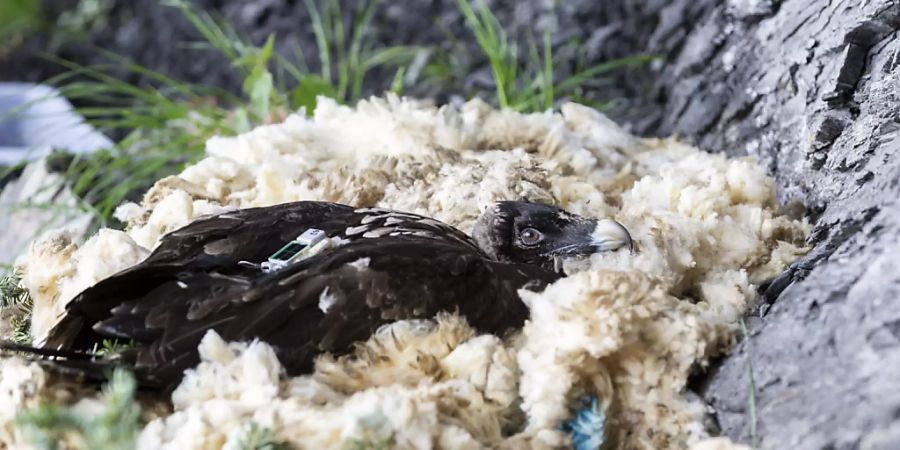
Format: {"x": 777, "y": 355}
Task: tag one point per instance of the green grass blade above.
{"x": 212, "y": 31}
{"x": 358, "y": 68}
{"x": 397, "y": 83}
{"x": 321, "y": 38}
{"x": 580, "y": 78}
{"x": 548, "y": 72}
{"x": 336, "y": 20}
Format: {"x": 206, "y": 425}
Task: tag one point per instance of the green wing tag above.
{"x": 309, "y": 243}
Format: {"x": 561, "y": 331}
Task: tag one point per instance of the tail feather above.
{"x": 87, "y": 367}
{"x": 45, "y": 352}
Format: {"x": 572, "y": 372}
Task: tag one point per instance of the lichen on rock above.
{"x": 627, "y": 327}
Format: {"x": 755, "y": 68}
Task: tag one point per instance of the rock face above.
{"x": 810, "y": 87}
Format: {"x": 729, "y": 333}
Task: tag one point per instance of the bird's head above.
{"x": 540, "y": 234}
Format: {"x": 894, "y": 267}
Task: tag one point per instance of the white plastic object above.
{"x": 35, "y": 119}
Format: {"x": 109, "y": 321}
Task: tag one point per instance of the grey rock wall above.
{"x": 811, "y": 88}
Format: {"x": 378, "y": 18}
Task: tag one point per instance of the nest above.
{"x": 627, "y": 328}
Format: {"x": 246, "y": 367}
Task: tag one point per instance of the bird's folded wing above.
{"x": 248, "y": 234}
{"x": 322, "y": 304}
{"x": 215, "y": 243}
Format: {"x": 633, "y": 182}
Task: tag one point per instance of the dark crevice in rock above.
{"x": 852, "y": 68}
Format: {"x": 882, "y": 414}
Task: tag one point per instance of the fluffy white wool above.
{"x": 25, "y": 385}
{"x": 21, "y": 385}
{"x": 627, "y": 327}
{"x": 433, "y": 394}
{"x": 55, "y": 270}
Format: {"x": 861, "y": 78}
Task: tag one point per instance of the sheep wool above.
{"x": 628, "y": 328}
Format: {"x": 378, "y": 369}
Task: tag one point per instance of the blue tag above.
{"x": 587, "y": 427}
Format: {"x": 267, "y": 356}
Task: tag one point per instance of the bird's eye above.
{"x": 530, "y": 236}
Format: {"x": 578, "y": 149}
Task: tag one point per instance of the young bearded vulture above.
{"x": 381, "y": 266}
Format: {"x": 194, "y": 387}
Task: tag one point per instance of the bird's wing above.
{"x": 247, "y": 234}
{"x": 214, "y": 243}
{"x": 217, "y": 244}
{"x": 322, "y": 304}
{"x": 243, "y": 235}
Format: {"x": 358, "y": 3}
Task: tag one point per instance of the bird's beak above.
{"x": 594, "y": 236}
{"x": 610, "y": 235}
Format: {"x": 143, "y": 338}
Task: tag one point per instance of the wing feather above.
{"x": 192, "y": 284}
{"x": 403, "y": 278}
{"x": 211, "y": 244}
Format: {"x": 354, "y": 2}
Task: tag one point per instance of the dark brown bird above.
{"x": 388, "y": 266}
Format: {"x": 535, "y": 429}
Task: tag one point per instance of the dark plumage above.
{"x": 390, "y": 266}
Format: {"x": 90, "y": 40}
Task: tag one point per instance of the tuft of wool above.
{"x": 437, "y": 396}
{"x": 628, "y": 328}
{"x": 56, "y": 269}
{"x": 22, "y": 386}
{"x": 26, "y": 385}
{"x": 47, "y": 264}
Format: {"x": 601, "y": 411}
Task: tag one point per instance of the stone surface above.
{"x": 811, "y": 89}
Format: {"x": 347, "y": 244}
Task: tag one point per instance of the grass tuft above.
{"x": 115, "y": 427}
{"x": 111, "y": 348}
{"x": 167, "y": 122}
{"x": 14, "y": 296}
{"x": 361, "y": 444}
{"x": 12, "y": 293}
{"x": 346, "y": 57}
{"x": 528, "y": 84}
{"x": 261, "y": 438}
{"x": 501, "y": 54}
